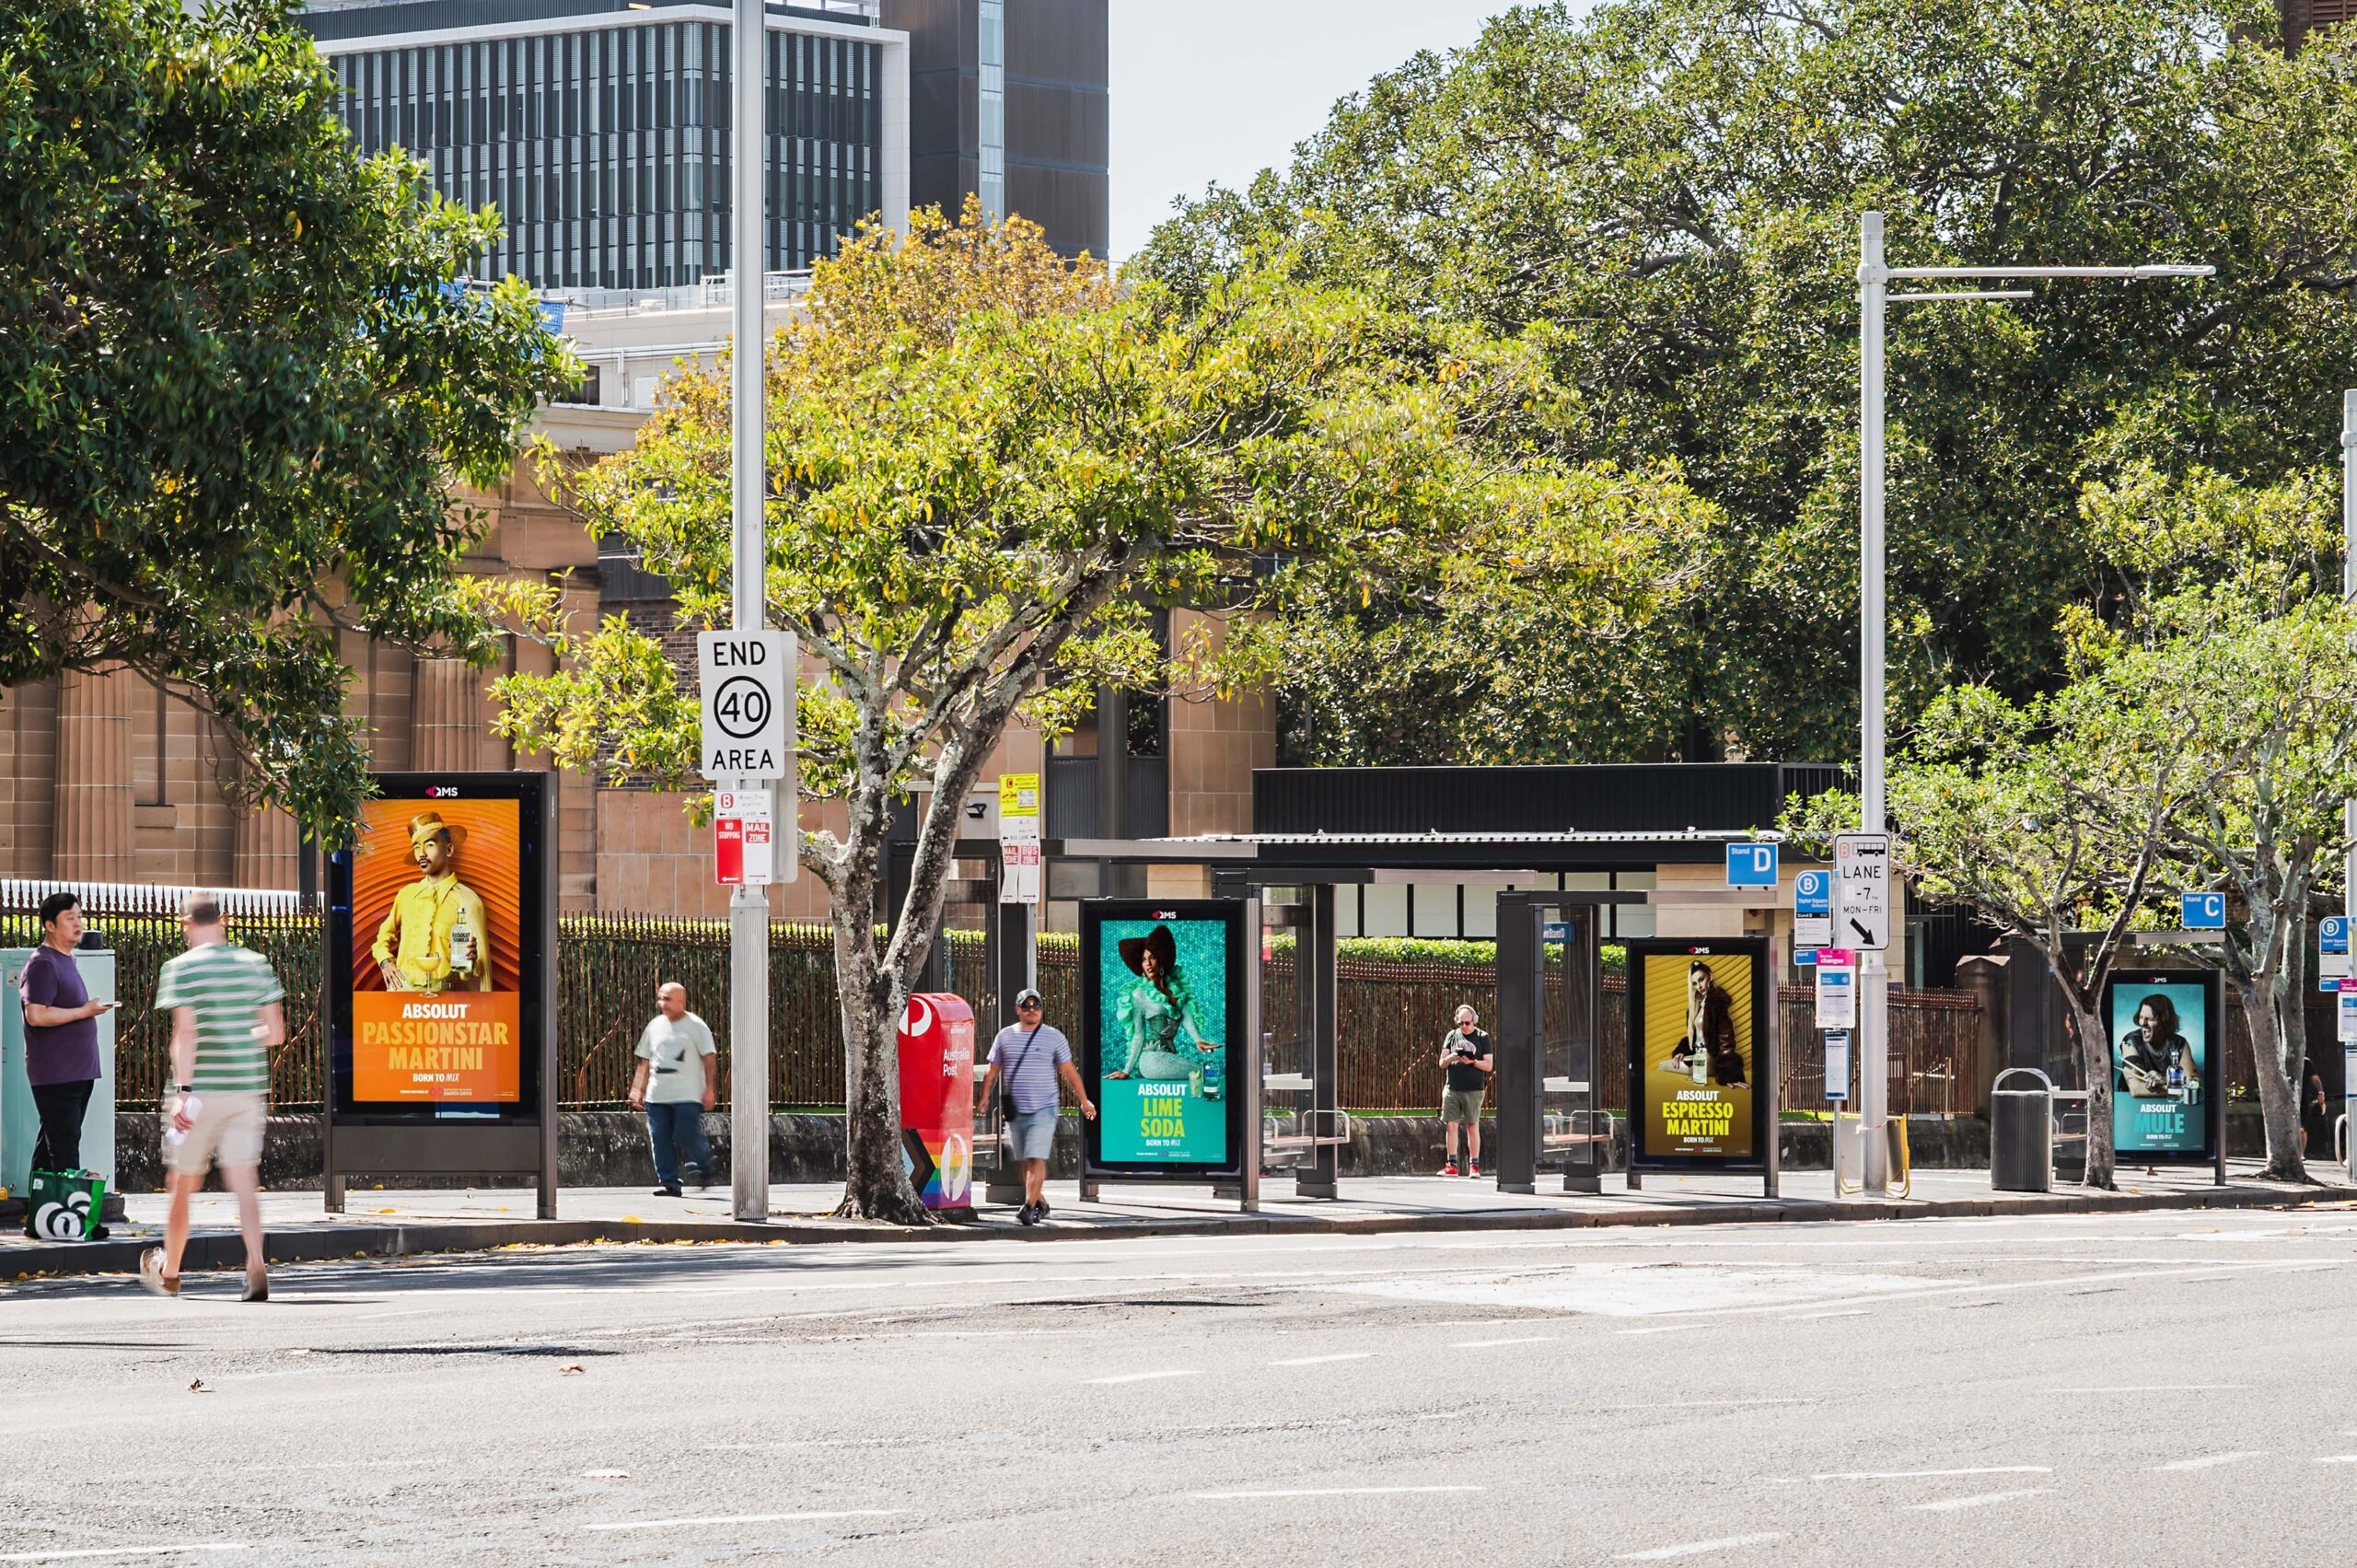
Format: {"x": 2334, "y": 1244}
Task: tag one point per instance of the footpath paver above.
{"x": 398, "y": 1223}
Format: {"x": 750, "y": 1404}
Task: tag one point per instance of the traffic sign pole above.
{"x": 2347, "y": 807}
{"x": 749, "y": 907}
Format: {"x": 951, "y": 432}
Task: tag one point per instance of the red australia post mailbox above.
{"x": 938, "y": 1098}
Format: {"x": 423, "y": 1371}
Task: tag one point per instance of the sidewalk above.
{"x": 403, "y": 1223}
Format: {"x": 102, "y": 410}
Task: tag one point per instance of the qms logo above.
{"x": 441, "y": 792}
{"x": 1163, "y": 914}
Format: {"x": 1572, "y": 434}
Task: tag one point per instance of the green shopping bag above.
{"x": 64, "y": 1205}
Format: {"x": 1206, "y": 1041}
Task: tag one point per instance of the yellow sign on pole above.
{"x": 1019, "y": 838}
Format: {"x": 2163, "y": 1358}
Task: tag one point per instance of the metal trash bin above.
{"x": 2021, "y": 1133}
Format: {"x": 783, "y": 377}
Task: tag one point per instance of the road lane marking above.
{"x": 2207, "y": 1461}
{"x": 1492, "y": 1344}
{"x": 1322, "y": 1360}
{"x": 1917, "y": 1475}
{"x": 1696, "y": 1548}
{"x": 1330, "y": 1491}
{"x": 1145, "y": 1377}
{"x": 2337, "y": 1458}
{"x": 1664, "y": 1329}
{"x": 1978, "y": 1500}
{"x": 1814, "y": 1316}
{"x": 744, "y": 1519}
{"x": 88, "y": 1551}
{"x": 2156, "y": 1388}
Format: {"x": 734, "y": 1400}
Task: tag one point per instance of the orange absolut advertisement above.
{"x": 436, "y": 928}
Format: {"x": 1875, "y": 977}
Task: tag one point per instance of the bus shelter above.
{"x": 1549, "y": 1100}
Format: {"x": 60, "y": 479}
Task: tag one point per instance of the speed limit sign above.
{"x": 747, "y": 688}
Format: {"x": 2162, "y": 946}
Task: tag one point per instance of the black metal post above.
{"x": 1314, "y": 980}
{"x": 1521, "y": 1067}
{"x": 1585, "y": 1159}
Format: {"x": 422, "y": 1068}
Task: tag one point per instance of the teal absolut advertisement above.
{"x": 1161, "y": 1003}
{"x": 2163, "y": 1031}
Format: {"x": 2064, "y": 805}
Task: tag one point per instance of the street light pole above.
{"x": 1873, "y": 977}
{"x": 2347, "y": 807}
{"x": 1874, "y": 298}
{"x": 748, "y": 906}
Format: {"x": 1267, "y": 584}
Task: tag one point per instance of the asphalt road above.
{"x": 2150, "y": 1389}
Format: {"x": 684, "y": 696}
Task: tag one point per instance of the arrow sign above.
{"x": 1862, "y": 890}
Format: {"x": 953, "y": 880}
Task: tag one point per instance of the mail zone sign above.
{"x": 745, "y": 681}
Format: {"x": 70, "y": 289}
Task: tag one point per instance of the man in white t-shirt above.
{"x": 674, "y": 1085}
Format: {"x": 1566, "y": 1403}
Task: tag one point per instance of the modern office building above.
{"x": 1007, "y": 99}
{"x": 600, "y": 128}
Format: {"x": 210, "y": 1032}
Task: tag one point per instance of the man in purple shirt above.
{"x": 61, "y": 1039}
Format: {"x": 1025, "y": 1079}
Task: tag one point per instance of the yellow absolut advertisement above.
{"x": 1694, "y": 1054}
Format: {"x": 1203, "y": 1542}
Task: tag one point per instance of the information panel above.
{"x": 2166, "y": 1029}
{"x": 438, "y": 952}
{"x": 1697, "y": 1025}
{"x": 1162, "y": 1023}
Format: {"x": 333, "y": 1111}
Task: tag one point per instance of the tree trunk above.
{"x": 875, "y": 1181}
{"x": 2095, "y": 1062}
{"x": 2278, "y": 1042}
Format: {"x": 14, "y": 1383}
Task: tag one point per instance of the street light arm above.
{"x": 2155, "y": 269}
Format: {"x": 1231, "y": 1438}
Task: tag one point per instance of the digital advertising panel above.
{"x": 438, "y": 950}
{"x": 2167, "y": 1029}
{"x": 1163, "y": 1007}
{"x": 1697, "y": 1021}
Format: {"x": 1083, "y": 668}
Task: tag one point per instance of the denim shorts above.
{"x": 1032, "y": 1134}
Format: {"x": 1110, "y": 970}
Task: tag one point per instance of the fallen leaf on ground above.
{"x": 568, "y": 1371}
{"x": 198, "y": 1388}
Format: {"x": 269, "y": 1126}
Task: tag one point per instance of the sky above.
{"x": 1209, "y": 91}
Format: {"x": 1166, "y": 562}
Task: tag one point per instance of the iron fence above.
{"x": 1392, "y": 1015}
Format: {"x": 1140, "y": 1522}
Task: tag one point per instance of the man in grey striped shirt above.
{"x": 227, "y": 1012}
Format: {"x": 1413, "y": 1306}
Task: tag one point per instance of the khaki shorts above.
{"x": 1462, "y": 1104}
{"x": 228, "y": 1127}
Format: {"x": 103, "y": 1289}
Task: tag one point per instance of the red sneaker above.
{"x": 1449, "y": 1169}
{"x": 1473, "y": 1168}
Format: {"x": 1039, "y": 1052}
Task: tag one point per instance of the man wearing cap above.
{"x": 1031, "y": 1054}
{"x": 437, "y": 937}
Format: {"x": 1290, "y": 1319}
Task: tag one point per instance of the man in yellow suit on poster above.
{"x": 437, "y": 937}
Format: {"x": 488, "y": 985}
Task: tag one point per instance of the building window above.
{"x": 993, "y": 189}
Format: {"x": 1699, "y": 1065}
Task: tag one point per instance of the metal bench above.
{"x": 1289, "y": 1137}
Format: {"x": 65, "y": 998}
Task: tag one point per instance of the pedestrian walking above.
{"x": 1029, "y": 1058}
{"x": 674, "y": 1085}
{"x": 1467, "y": 1062}
{"x": 228, "y": 1016}
{"x": 61, "y": 1042}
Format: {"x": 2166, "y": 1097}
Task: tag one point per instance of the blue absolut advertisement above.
{"x": 2165, "y": 1037}
{"x": 1162, "y": 988}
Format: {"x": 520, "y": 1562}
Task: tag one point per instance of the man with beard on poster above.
{"x": 1710, "y": 1031}
{"x": 436, "y": 936}
{"x": 2152, "y": 1051}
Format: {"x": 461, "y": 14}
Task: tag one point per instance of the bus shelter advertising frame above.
{"x": 441, "y": 982}
{"x": 2167, "y": 1026}
{"x": 1156, "y": 976}
{"x": 1711, "y": 1105}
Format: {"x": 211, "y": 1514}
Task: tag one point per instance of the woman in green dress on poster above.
{"x": 1155, "y": 1010}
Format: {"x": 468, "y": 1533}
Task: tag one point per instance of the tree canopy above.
{"x": 986, "y": 465}
{"x": 238, "y": 372}
{"x": 1662, "y": 200}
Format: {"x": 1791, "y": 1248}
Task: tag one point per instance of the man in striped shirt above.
{"x": 228, "y": 1012}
